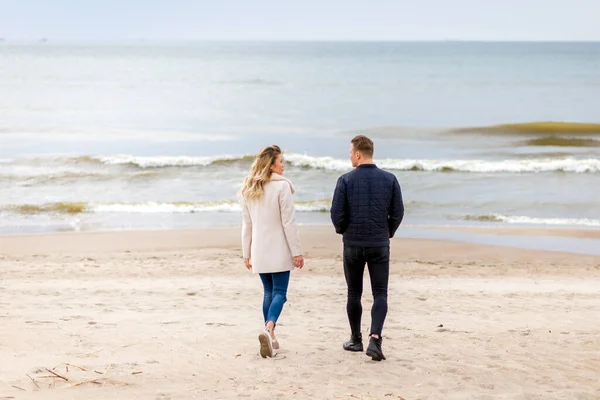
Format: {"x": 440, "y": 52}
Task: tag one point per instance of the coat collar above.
{"x": 277, "y": 177}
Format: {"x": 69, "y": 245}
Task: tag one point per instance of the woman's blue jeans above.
{"x": 275, "y": 289}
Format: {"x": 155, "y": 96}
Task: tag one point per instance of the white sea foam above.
{"x": 170, "y": 208}
{"x": 537, "y": 221}
{"x": 589, "y": 165}
{"x": 166, "y": 161}
{"x": 229, "y": 206}
{"x": 219, "y": 206}
{"x": 529, "y": 165}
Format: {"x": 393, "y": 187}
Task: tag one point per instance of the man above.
{"x": 367, "y": 210}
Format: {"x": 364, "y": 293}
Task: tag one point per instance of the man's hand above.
{"x": 299, "y": 262}
{"x": 247, "y": 263}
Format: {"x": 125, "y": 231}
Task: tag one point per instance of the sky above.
{"x": 176, "y": 20}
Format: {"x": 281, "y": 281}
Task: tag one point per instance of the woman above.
{"x": 270, "y": 241}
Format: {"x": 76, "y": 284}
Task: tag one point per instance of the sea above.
{"x": 130, "y": 136}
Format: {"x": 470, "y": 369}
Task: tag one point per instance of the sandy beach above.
{"x": 175, "y": 315}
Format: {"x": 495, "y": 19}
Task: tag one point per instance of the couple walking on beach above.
{"x": 367, "y": 210}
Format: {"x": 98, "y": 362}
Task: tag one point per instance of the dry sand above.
{"x": 174, "y": 315}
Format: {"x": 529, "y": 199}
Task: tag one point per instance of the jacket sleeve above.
{"x": 339, "y": 207}
{"x": 288, "y": 220}
{"x": 246, "y": 230}
{"x": 396, "y": 211}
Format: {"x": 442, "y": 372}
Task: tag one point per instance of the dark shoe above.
{"x": 354, "y": 344}
{"x": 374, "y": 349}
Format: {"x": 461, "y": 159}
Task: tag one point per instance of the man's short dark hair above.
{"x": 364, "y": 145}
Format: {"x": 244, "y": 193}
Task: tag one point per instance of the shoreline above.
{"x": 555, "y": 239}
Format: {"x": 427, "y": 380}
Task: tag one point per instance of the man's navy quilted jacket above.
{"x": 367, "y": 206}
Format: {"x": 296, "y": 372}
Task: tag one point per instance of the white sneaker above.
{"x": 266, "y": 344}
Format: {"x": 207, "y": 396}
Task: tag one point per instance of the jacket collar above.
{"x": 277, "y": 177}
{"x": 367, "y": 166}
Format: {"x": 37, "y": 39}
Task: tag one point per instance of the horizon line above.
{"x": 49, "y": 40}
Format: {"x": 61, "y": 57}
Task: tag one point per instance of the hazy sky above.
{"x": 300, "y": 19}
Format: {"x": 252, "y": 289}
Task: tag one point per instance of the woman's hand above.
{"x": 299, "y": 262}
{"x": 247, "y": 263}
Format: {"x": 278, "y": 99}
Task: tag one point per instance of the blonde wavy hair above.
{"x": 260, "y": 172}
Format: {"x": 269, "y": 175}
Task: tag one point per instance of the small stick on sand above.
{"x": 106, "y": 372}
{"x": 84, "y": 382}
{"x": 34, "y": 382}
{"x": 76, "y": 366}
{"x": 97, "y": 382}
{"x": 137, "y": 372}
{"x": 57, "y": 375}
{"x": 20, "y": 388}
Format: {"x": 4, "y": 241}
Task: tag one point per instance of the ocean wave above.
{"x": 559, "y": 141}
{"x": 126, "y": 160}
{"x": 230, "y": 206}
{"x": 523, "y": 165}
{"x": 542, "y": 155}
{"x": 56, "y": 208}
{"x": 536, "y": 128}
{"x": 166, "y": 161}
{"x": 34, "y": 177}
{"x": 589, "y": 165}
{"x": 49, "y": 177}
{"x": 327, "y": 163}
{"x": 534, "y": 220}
